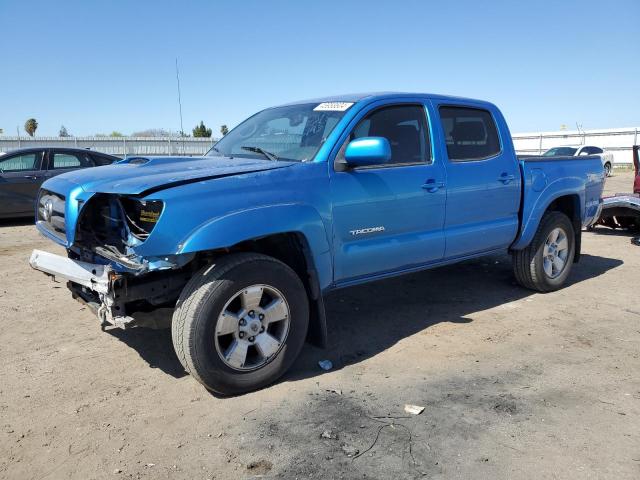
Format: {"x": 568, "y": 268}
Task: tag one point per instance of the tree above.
{"x": 201, "y": 130}
{"x": 224, "y": 130}
{"x": 30, "y": 126}
{"x": 63, "y": 132}
{"x": 115, "y": 133}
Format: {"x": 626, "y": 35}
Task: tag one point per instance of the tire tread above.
{"x": 204, "y": 283}
{"x": 524, "y": 261}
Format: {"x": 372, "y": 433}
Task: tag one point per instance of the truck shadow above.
{"x": 17, "y": 222}
{"x": 366, "y": 320}
{"x": 154, "y": 346}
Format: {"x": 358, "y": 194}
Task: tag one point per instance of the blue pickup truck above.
{"x": 241, "y": 245}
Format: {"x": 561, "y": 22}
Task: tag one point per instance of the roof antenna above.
{"x": 180, "y": 106}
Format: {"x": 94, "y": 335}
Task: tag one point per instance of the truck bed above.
{"x": 547, "y": 178}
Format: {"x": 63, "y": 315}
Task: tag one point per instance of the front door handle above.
{"x": 506, "y": 178}
{"x": 432, "y": 186}
{"x": 30, "y": 177}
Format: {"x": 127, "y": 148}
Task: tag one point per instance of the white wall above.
{"x": 618, "y": 141}
{"x": 615, "y": 140}
{"x": 120, "y": 146}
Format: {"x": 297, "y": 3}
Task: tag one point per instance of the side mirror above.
{"x": 368, "y": 151}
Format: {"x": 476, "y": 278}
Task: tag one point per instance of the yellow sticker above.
{"x": 147, "y": 216}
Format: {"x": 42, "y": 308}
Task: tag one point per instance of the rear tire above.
{"x": 225, "y": 329}
{"x": 607, "y": 169}
{"x": 546, "y": 263}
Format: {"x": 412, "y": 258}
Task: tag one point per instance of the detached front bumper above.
{"x": 94, "y": 277}
{"x": 90, "y": 283}
{"x": 119, "y": 300}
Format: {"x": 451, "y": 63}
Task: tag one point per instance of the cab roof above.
{"x": 374, "y": 96}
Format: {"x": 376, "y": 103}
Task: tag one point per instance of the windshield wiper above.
{"x": 214, "y": 149}
{"x": 269, "y": 155}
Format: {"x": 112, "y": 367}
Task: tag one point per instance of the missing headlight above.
{"x": 141, "y": 215}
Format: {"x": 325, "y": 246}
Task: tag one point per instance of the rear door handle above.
{"x": 506, "y": 178}
{"x": 30, "y": 177}
{"x": 432, "y": 186}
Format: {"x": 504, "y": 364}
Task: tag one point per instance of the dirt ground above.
{"x": 514, "y": 384}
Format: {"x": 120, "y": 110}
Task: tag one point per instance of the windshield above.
{"x": 554, "y": 152}
{"x": 293, "y": 132}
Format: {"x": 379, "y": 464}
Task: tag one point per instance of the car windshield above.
{"x": 554, "y": 152}
{"x": 294, "y": 132}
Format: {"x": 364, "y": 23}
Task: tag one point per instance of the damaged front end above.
{"x": 112, "y": 226}
{"x": 119, "y": 300}
{"x": 103, "y": 269}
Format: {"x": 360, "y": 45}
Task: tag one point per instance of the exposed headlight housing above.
{"x": 141, "y": 215}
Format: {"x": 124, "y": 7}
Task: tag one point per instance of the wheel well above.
{"x": 292, "y": 249}
{"x": 570, "y": 206}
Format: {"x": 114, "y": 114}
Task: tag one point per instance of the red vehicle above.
{"x": 636, "y": 165}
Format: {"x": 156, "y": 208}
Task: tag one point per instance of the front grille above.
{"x": 51, "y": 213}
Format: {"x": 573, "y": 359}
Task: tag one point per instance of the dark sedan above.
{"x": 23, "y": 171}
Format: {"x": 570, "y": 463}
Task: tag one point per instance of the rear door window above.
{"x": 70, "y": 160}
{"x": 101, "y": 160}
{"x": 591, "y": 151}
{"x": 470, "y": 133}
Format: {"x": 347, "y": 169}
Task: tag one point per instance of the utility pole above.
{"x": 180, "y": 105}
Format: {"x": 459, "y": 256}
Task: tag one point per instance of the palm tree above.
{"x": 30, "y": 126}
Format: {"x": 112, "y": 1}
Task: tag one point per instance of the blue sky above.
{"x": 98, "y": 66}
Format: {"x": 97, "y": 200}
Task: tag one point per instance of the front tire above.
{"x": 240, "y": 324}
{"x": 546, "y": 263}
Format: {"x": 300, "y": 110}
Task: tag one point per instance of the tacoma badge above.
{"x": 363, "y": 231}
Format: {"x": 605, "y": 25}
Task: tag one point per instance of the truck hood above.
{"x": 143, "y": 175}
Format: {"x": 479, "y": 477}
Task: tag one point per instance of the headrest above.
{"x": 403, "y": 133}
{"x": 472, "y": 131}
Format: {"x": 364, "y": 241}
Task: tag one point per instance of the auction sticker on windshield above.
{"x": 333, "y": 106}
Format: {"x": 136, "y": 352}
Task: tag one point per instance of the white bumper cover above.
{"x": 92, "y": 276}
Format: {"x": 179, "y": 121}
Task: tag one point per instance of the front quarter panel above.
{"x": 220, "y": 213}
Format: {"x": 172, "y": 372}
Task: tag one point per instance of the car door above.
{"x": 21, "y": 175}
{"x": 483, "y": 181}
{"x": 388, "y": 218}
{"x": 61, "y": 161}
